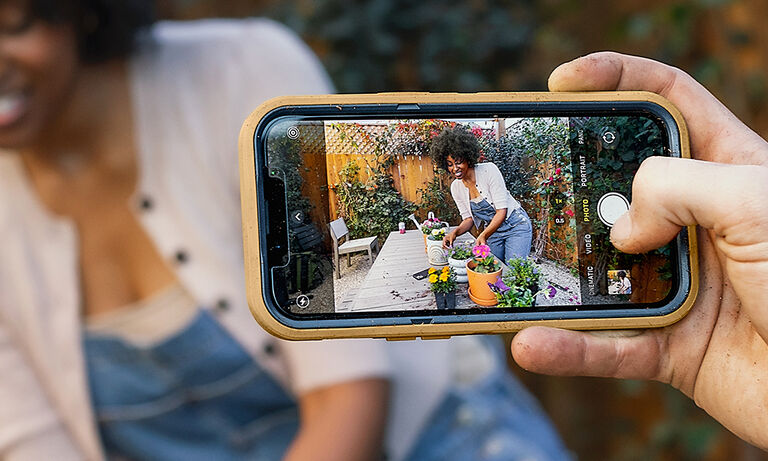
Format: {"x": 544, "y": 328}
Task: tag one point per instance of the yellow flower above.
{"x": 432, "y": 270}
{"x": 433, "y": 278}
{"x": 444, "y": 277}
{"x": 446, "y": 269}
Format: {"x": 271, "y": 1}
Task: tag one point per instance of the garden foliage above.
{"x": 371, "y": 206}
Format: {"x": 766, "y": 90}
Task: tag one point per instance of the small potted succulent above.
{"x": 483, "y": 269}
{"x": 458, "y": 257}
{"x": 435, "y": 252}
{"x": 442, "y": 282}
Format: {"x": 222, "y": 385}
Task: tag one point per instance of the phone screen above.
{"x": 459, "y": 214}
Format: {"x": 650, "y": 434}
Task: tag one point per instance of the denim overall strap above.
{"x": 513, "y": 237}
{"x": 196, "y": 396}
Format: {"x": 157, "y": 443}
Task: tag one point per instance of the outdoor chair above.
{"x": 339, "y": 231}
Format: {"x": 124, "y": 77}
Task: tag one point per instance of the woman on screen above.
{"x": 481, "y": 196}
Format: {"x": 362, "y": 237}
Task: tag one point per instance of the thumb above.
{"x": 669, "y": 193}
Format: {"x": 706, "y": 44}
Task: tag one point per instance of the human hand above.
{"x": 448, "y": 240}
{"x": 481, "y": 240}
{"x": 718, "y": 354}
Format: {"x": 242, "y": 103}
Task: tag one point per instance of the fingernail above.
{"x": 621, "y": 230}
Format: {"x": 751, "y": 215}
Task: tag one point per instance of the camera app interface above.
{"x": 460, "y": 215}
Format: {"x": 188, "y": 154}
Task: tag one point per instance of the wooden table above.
{"x": 389, "y": 284}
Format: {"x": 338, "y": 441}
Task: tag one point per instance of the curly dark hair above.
{"x": 457, "y": 142}
{"x": 105, "y": 29}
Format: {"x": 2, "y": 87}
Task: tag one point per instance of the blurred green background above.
{"x": 478, "y": 45}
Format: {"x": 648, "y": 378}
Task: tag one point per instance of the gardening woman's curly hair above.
{"x": 104, "y": 29}
{"x": 457, "y": 142}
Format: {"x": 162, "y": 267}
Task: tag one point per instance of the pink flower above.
{"x": 481, "y": 251}
{"x": 569, "y": 213}
{"x": 558, "y": 170}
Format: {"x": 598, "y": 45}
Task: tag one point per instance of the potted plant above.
{"x": 516, "y": 295}
{"x": 483, "y": 269}
{"x": 458, "y": 257}
{"x": 430, "y": 224}
{"x": 511, "y": 296}
{"x": 522, "y": 272}
{"x": 442, "y": 282}
{"x": 519, "y": 285}
{"x": 435, "y": 252}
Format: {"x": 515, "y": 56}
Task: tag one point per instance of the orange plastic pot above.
{"x": 479, "y": 292}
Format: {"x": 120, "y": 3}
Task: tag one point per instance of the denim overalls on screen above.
{"x": 195, "y": 396}
{"x": 200, "y": 396}
{"x": 513, "y": 237}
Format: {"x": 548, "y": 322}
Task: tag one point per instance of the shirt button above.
{"x": 181, "y": 257}
{"x": 222, "y": 305}
{"x": 146, "y": 203}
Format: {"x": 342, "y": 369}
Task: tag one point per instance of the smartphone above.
{"x": 347, "y": 200}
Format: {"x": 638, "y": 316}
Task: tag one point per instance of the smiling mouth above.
{"x": 12, "y": 107}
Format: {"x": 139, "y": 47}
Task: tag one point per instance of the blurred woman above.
{"x": 481, "y": 196}
{"x": 124, "y": 329}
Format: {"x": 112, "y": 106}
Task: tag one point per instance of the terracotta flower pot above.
{"x": 479, "y": 292}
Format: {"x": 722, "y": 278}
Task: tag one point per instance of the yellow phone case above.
{"x": 250, "y": 212}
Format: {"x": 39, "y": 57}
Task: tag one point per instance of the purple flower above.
{"x": 501, "y": 285}
{"x": 552, "y": 292}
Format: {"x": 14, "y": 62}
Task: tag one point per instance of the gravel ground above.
{"x": 567, "y": 285}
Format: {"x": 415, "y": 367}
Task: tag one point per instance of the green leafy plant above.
{"x": 374, "y": 205}
{"x": 460, "y": 251}
{"x": 522, "y": 272}
{"x": 436, "y": 197}
{"x": 511, "y": 296}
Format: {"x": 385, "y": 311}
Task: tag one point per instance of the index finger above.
{"x": 716, "y": 134}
